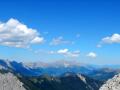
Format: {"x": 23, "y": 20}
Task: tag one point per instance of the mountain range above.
{"x": 68, "y": 81}
{"x": 59, "y": 68}
{"x": 62, "y": 75}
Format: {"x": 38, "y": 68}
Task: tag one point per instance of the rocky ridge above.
{"x": 112, "y": 84}
{"x": 10, "y": 82}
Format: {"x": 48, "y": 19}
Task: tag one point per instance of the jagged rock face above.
{"x": 10, "y": 82}
{"x": 112, "y": 84}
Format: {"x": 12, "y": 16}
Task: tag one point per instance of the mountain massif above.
{"x": 65, "y": 82}
{"x": 63, "y": 76}
{"x": 58, "y": 68}
{"x": 68, "y": 81}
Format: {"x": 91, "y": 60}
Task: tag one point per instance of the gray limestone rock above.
{"x": 10, "y": 82}
{"x": 112, "y": 84}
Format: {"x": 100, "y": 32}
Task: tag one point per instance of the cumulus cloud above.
{"x": 115, "y": 38}
{"x": 59, "y": 40}
{"x": 16, "y": 34}
{"x": 68, "y": 53}
{"x": 63, "y": 51}
{"x": 92, "y": 55}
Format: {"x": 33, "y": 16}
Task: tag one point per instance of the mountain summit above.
{"x": 112, "y": 84}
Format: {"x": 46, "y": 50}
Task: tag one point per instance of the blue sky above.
{"x": 85, "y": 30}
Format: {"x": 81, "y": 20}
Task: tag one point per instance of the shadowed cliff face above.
{"x": 67, "y": 81}
{"x": 10, "y": 82}
{"x": 112, "y": 84}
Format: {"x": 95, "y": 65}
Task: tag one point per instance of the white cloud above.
{"x": 59, "y": 40}
{"x": 63, "y": 51}
{"x": 67, "y": 53}
{"x": 74, "y": 54}
{"x": 16, "y": 34}
{"x": 115, "y": 38}
{"x": 92, "y": 55}
{"x": 37, "y": 40}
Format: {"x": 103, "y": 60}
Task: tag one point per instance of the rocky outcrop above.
{"x": 10, "y": 82}
{"x": 112, "y": 84}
